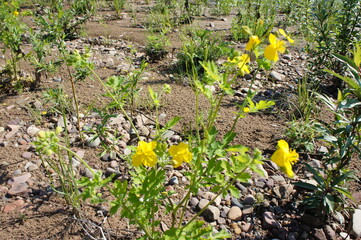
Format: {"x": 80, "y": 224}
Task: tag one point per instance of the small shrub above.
{"x": 156, "y": 46}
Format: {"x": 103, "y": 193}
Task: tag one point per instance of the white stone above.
{"x": 32, "y": 130}
{"x": 356, "y": 223}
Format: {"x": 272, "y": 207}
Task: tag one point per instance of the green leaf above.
{"x": 264, "y": 104}
{"x": 234, "y": 191}
{"x": 316, "y": 176}
{"x": 344, "y": 192}
{"x": 330, "y": 202}
{"x": 306, "y": 185}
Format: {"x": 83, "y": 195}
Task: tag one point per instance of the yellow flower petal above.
{"x": 282, "y": 32}
{"x": 285, "y": 158}
{"x": 145, "y": 154}
{"x": 271, "y": 53}
{"x": 180, "y": 153}
{"x": 252, "y": 43}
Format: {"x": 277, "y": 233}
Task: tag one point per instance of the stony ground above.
{"x": 268, "y": 207}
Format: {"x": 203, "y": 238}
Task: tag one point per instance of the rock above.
{"x": 224, "y": 211}
{"x": 17, "y": 172}
{"x": 237, "y": 231}
{"x": 356, "y": 223}
{"x": 3, "y": 189}
{"x": 284, "y": 191}
{"x": 270, "y": 183}
{"x": 93, "y": 143}
{"x": 105, "y": 157}
{"x": 211, "y": 213}
{"x": 9, "y": 208}
{"x": 19, "y": 188}
{"x": 209, "y": 196}
{"x": 249, "y": 200}
{"x": 143, "y": 131}
{"x": 245, "y": 226}
{"x": 173, "y": 181}
{"x": 235, "y": 202}
{"x": 319, "y": 234}
{"x": 26, "y": 155}
{"x": 241, "y": 187}
{"x": 247, "y": 210}
{"x": 19, "y": 179}
{"x": 234, "y": 214}
{"x": 193, "y": 202}
{"x": 268, "y": 221}
{"x": 329, "y": 232}
{"x": 75, "y": 163}
{"x": 279, "y": 179}
{"x": 14, "y": 130}
{"x": 263, "y": 171}
{"x": 114, "y": 164}
{"x": 344, "y": 236}
{"x": 88, "y": 173}
{"x": 276, "y": 76}
{"x": 32, "y": 130}
{"x": 29, "y": 166}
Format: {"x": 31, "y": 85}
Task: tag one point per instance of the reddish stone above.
{"x": 9, "y": 208}
{"x": 18, "y": 188}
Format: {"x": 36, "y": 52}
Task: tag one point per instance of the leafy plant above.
{"x": 156, "y": 47}
{"x": 200, "y": 45}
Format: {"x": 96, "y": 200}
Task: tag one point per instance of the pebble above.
{"x": 193, "y": 202}
{"x": 26, "y": 155}
{"x": 209, "y": 196}
{"x": 29, "y": 166}
{"x": 211, "y": 213}
{"x": 173, "y": 181}
{"x": 234, "y": 214}
{"x": 93, "y": 143}
{"x": 245, "y": 226}
{"x": 247, "y": 210}
{"x": 235, "y": 202}
{"x": 284, "y": 191}
{"x": 18, "y": 188}
{"x": 269, "y": 221}
{"x": 319, "y": 234}
{"x": 344, "y": 235}
{"x": 249, "y": 200}
{"x": 276, "y": 76}
{"x": 329, "y": 232}
{"x": 19, "y": 179}
{"x": 32, "y": 130}
{"x": 114, "y": 164}
{"x": 356, "y": 223}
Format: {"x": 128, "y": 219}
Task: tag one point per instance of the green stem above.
{"x": 116, "y": 100}
{"x": 219, "y": 193}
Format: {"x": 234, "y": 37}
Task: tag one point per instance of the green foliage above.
{"x": 302, "y": 134}
{"x": 334, "y": 30}
{"x": 156, "y": 46}
{"x": 259, "y": 16}
{"x": 200, "y": 46}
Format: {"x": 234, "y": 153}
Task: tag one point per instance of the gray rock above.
{"x": 29, "y": 166}
{"x": 211, "y": 213}
{"x": 18, "y": 189}
{"x": 193, "y": 202}
{"x": 319, "y": 234}
{"x": 235, "y": 202}
{"x": 249, "y": 200}
{"x": 311, "y": 220}
{"x": 19, "y": 179}
{"x": 329, "y": 232}
{"x": 201, "y": 204}
{"x": 245, "y": 226}
{"x": 241, "y": 187}
{"x": 284, "y": 191}
{"x": 276, "y": 76}
{"x": 247, "y": 210}
{"x": 356, "y": 223}
{"x": 345, "y": 236}
{"x": 32, "y": 130}
{"x": 26, "y": 155}
{"x": 173, "y": 181}
{"x": 209, "y": 196}
{"x": 269, "y": 221}
{"x": 75, "y": 163}
{"x": 93, "y": 143}
{"x": 224, "y": 211}
{"x": 279, "y": 179}
{"x": 234, "y": 214}
{"x": 270, "y": 183}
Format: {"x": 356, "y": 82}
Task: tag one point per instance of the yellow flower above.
{"x": 285, "y": 158}
{"x": 246, "y": 110}
{"x": 15, "y": 13}
{"x": 241, "y": 62}
{"x": 275, "y": 46}
{"x": 289, "y": 39}
{"x": 252, "y": 43}
{"x": 145, "y": 154}
{"x": 180, "y": 153}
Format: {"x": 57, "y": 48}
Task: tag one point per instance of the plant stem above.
{"x": 116, "y": 100}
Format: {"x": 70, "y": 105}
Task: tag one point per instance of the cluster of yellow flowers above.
{"x": 271, "y": 51}
{"x": 145, "y": 154}
{"x": 285, "y": 157}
